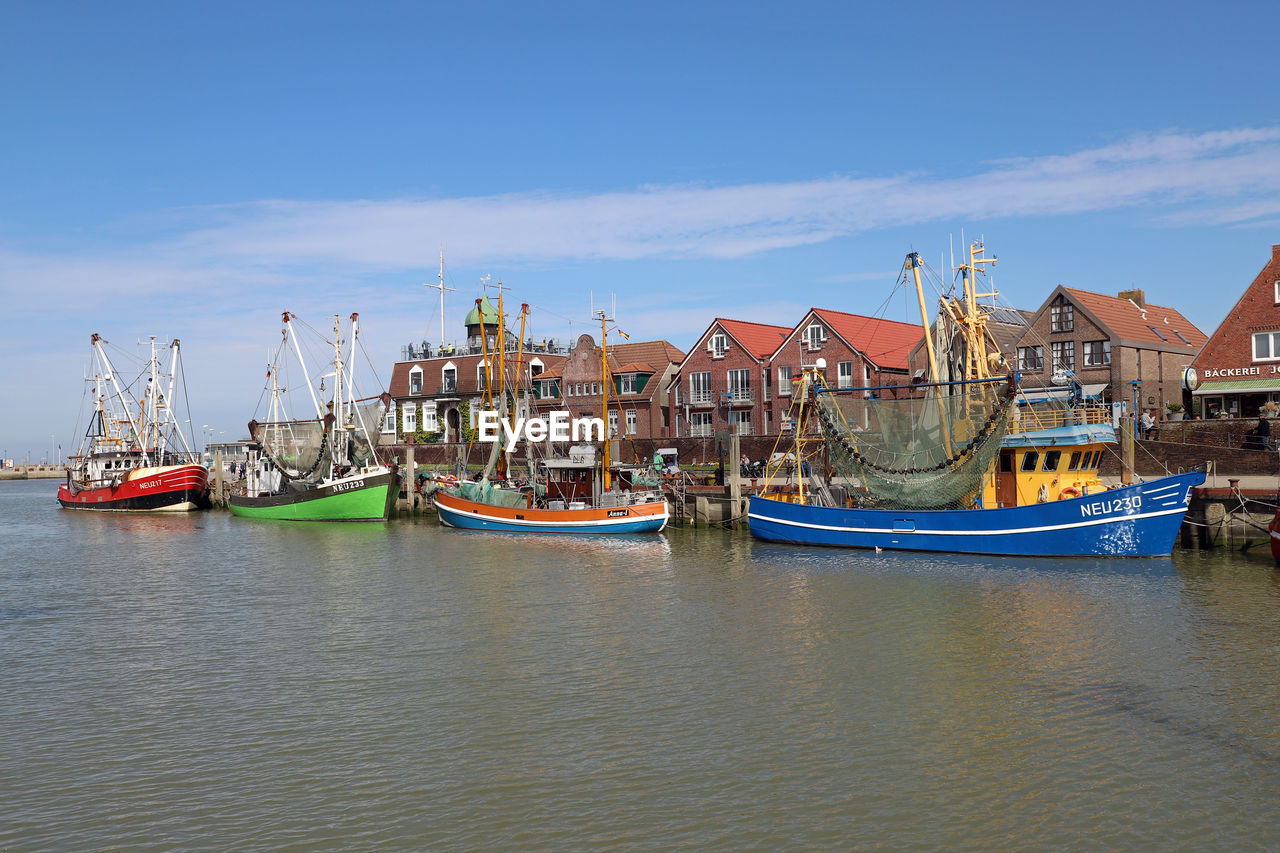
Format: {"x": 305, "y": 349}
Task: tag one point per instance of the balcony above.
{"x": 701, "y": 398}
{"x": 737, "y": 399}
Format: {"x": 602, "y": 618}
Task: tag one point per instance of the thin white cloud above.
{"x": 727, "y": 222}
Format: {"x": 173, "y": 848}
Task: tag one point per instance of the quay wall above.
{"x": 33, "y": 472}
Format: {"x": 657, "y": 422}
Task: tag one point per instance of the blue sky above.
{"x": 191, "y": 170}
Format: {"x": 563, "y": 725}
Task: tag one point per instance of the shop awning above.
{"x": 1238, "y": 386}
{"x": 1093, "y": 392}
{"x": 1059, "y": 392}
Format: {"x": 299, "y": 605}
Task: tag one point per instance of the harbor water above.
{"x": 202, "y": 682}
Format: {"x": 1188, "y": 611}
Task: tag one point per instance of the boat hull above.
{"x": 470, "y": 515}
{"x": 167, "y": 488}
{"x": 1134, "y": 521}
{"x": 367, "y": 497}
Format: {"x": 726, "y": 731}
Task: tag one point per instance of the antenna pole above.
{"x": 440, "y": 287}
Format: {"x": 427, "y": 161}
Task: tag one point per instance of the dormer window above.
{"x": 449, "y": 378}
{"x": 815, "y": 335}
{"x": 627, "y": 384}
{"x": 415, "y": 381}
{"x": 1062, "y": 315}
{"x": 719, "y": 343}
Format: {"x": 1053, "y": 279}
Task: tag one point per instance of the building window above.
{"x": 815, "y": 335}
{"x": 1277, "y": 289}
{"x": 415, "y": 381}
{"x": 1266, "y": 346}
{"x": 389, "y": 419}
{"x": 1064, "y": 355}
{"x": 429, "y": 416}
{"x": 740, "y": 422}
{"x": 409, "y": 420}
{"x": 700, "y": 424}
{"x": 699, "y": 388}
{"x": 1097, "y": 353}
{"x": 631, "y": 421}
{"x": 1062, "y": 317}
{"x": 613, "y": 423}
{"x": 844, "y": 376}
{"x": 784, "y": 381}
{"x": 627, "y": 384}
{"x": 719, "y": 343}
{"x": 449, "y": 378}
{"x": 740, "y": 384}
{"x": 1031, "y": 358}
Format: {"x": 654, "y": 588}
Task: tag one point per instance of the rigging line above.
{"x": 186, "y": 402}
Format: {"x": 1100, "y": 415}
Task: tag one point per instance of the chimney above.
{"x": 1139, "y": 297}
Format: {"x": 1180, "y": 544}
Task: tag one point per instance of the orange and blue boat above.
{"x": 572, "y": 495}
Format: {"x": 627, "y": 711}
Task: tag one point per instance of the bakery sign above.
{"x": 1239, "y": 372}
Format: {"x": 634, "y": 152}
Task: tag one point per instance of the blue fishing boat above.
{"x": 1134, "y": 521}
{"x": 964, "y": 463}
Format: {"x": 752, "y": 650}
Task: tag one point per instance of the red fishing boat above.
{"x": 134, "y": 457}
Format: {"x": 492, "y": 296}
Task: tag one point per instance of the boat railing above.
{"x": 1033, "y": 419}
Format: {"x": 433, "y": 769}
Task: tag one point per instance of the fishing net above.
{"x": 295, "y": 447}
{"x": 365, "y": 421}
{"x": 928, "y": 452}
{"x": 485, "y": 493}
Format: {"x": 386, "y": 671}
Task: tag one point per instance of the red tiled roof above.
{"x": 759, "y": 339}
{"x": 644, "y": 352}
{"x": 633, "y": 367}
{"x": 1124, "y": 318}
{"x": 886, "y": 342}
{"x": 553, "y": 373}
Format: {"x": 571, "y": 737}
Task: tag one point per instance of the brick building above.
{"x": 725, "y": 380}
{"x": 1127, "y": 349}
{"x": 433, "y": 398}
{"x": 638, "y": 401}
{"x": 861, "y": 352}
{"x": 1239, "y": 368}
{"x": 738, "y": 376}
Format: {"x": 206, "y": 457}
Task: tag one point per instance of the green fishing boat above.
{"x": 321, "y": 468}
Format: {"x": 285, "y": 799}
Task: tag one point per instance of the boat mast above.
{"x": 97, "y": 342}
{"x": 487, "y": 397}
{"x": 604, "y": 389}
{"x": 315, "y": 401}
{"x": 339, "y": 418}
{"x": 914, "y": 259}
{"x": 975, "y": 322}
{"x": 170, "y": 418}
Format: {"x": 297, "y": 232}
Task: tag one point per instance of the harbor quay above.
{"x": 708, "y": 479}
{"x": 33, "y": 472}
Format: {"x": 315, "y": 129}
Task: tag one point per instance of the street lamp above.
{"x": 1137, "y": 388}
